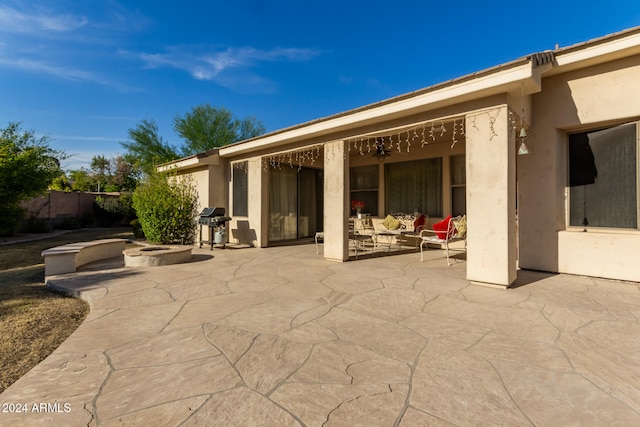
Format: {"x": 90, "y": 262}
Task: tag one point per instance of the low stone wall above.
{"x": 151, "y": 256}
{"x": 67, "y": 258}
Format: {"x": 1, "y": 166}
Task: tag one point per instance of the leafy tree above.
{"x": 115, "y": 174}
{"x": 124, "y": 175}
{"x": 110, "y": 209}
{"x": 60, "y": 183}
{"x": 167, "y": 208}
{"x": 146, "y": 149}
{"x": 81, "y": 180}
{"x": 206, "y": 127}
{"x": 101, "y": 168}
{"x": 27, "y": 167}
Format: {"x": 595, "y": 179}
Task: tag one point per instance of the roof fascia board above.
{"x": 586, "y": 55}
{"x": 206, "y": 158}
{"x": 501, "y": 81}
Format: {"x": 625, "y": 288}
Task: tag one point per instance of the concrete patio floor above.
{"x": 281, "y": 337}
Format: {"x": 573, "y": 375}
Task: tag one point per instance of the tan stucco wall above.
{"x": 336, "y": 193}
{"x": 208, "y": 180}
{"x": 249, "y": 230}
{"x": 491, "y": 242}
{"x": 580, "y": 100}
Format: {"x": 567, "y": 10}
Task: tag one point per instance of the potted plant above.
{"x": 357, "y": 206}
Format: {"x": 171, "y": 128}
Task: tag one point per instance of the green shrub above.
{"x": 37, "y": 225}
{"x": 137, "y": 229}
{"x": 111, "y": 210}
{"x": 69, "y": 224}
{"x": 10, "y": 217}
{"x": 167, "y": 208}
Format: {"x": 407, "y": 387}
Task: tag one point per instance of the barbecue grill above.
{"x": 215, "y": 219}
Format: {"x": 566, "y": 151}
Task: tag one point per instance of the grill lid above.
{"x": 212, "y": 212}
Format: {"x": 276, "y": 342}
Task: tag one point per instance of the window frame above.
{"x": 457, "y": 185}
{"x": 592, "y": 129}
{"x": 440, "y": 208}
{"x": 238, "y": 193}
{"x": 371, "y": 208}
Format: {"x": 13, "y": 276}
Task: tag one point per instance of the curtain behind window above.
{"x": 240, "y": 189}
{"x": 283, "y": 204}
{"x": 364, "y": 187}
{"x": 414, "y": 186}
{"x": 310, "y": 193}
{"x": 602, "y": 178}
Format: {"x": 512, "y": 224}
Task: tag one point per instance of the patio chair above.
{"x": 445, "y": 232}
{"x": 319, "y": 236}
{"x": 360, "y": 237}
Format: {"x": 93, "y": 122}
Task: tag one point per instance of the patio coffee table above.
{"x": 389, "y": 235}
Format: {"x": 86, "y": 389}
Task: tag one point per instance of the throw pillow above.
{"x": 418, "y": 224}
{"x": 390, "y": 223}
{"x": 461, "y": 226}
{"x": 441, "y": 228}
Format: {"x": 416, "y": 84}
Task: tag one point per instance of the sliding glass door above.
{"x": 295, "y": 203}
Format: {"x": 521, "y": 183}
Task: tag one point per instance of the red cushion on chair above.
{"x": 418, "y": 224}
{"x": 442, "y": 227}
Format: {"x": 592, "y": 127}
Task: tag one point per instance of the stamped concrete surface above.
{"x": 281, "y": 337}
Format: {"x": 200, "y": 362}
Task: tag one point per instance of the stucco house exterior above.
{"x": 571, "y": 204}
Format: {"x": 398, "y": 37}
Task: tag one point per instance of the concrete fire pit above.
{"x": 150, "y": 256}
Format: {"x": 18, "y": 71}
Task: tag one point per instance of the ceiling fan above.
{"x": 381, "y": 152}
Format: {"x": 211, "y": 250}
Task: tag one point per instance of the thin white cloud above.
{"x": 216, "y": 66}
{"x": 66, "y": 73}
{"x": 38, "y": 22}
{"x": 89, "y": 138}
{"x": 43, "y": 37}
{"x": 82, "y": 158}
{"x": 41, "y": 65}
{"x": 116, "y": 118}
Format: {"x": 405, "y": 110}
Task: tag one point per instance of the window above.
{"x": 240, "y": 189}
{"x": 458, "y": 185}
{"x": 364, "y": 187}
{"x": 414, "y": 186}
{"x": 295, "y": 203}
{"x": 603, "y": 177}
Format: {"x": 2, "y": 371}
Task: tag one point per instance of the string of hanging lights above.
{"x": 382, "y": 144}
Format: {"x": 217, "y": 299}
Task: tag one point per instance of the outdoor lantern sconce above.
{"x": 523, "y": 149}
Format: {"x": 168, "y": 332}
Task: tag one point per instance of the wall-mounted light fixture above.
{"x": 523, "y": 149}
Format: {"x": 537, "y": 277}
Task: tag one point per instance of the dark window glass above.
{"x": 240, "y": 189}
{"x": 458, "y": 185}
{"x": 603, "y": 188}
{"x": 414, "y": 186}
{"x": 364, "y": 187}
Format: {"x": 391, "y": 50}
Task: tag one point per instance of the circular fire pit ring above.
{"x": 151, "y": 256}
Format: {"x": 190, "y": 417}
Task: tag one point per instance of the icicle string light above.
{"x": 398, "y": 139}
{"x": 294, "y": 159}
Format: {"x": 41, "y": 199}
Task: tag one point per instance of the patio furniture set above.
{"x": 404, "y": 230}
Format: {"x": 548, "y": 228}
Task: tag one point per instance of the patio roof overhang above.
{"x": 209, "y": 157}
{"x": 514, "y": 78}
{"x": 517, "y": 78}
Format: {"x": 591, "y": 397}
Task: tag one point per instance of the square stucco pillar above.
{"x": 491, "y": 198}
{"x": 336, "y": 200}
{"x": 258, "y": 204}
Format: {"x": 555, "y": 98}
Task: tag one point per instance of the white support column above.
{"x": 336, "y": 200}
{"x": 258, "y": 205}
{"x": 491, "y": 198}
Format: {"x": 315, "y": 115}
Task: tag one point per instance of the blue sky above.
{"x": 84, "y": 72}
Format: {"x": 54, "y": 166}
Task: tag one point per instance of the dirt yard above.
{"x": 35, "y": 320}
